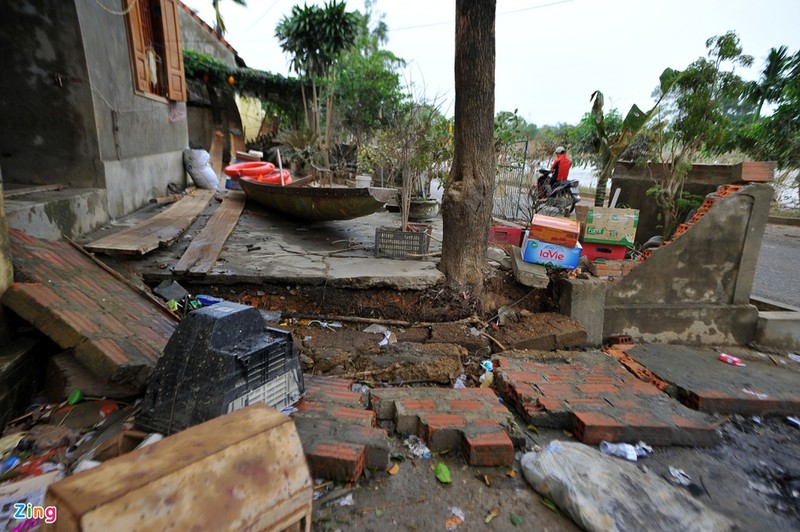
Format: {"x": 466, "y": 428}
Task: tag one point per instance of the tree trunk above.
{"x": 467, "y": 202}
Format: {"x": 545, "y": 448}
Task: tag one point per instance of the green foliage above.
{"x": 508, "y": 129}
{"x": 275, "y": 88}
{"x": 367, "y": 81}
{"x": 219, "y": 22}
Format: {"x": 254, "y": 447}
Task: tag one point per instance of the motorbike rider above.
{"x": 561, "y": 165}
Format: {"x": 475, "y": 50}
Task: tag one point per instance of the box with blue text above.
{"x": 553, "y": 255}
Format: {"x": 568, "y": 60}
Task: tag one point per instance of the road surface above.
{"x": 778, "y": 269}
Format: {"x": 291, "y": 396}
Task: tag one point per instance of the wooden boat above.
{"x": 301, "y": 199}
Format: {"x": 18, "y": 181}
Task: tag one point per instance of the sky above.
{"x": 551, "y": 54}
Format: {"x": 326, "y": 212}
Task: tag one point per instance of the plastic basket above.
{"x": 393, "y": 243}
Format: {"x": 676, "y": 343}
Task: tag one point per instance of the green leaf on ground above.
{"x": 443, "y": 474}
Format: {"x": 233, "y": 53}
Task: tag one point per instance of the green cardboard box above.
{"x": 603, "y": 225}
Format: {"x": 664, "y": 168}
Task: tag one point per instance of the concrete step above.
{"x": 51, "y": 214}
{"x": 779, "y": 329}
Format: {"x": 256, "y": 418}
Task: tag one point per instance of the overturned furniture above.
{"x": 242, "y": 471}
{"x": 220, "y": 358}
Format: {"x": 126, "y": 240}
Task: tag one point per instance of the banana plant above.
{"x": 609, "y": 147}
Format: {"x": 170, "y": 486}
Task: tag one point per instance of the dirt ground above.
{"x": 752, "y": 476}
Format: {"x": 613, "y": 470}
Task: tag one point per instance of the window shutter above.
{"x": 173, "y": 52}
{"x": 137, "y": 46}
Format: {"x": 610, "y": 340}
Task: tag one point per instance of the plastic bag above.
{"x": 199, "y": 169}
{"x": 603, "y": 493}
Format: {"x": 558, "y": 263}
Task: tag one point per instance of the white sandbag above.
{"x": 199, "y": 169}
{"x": 604, "y": 493}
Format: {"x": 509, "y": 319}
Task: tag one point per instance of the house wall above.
{"x": 198, "y": 36}
{"x": 48, "y": 133}
{"x": 141, "y": 138}
{"x": 69, "y": 109}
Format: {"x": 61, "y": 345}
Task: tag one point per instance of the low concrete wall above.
{"x": 152, "y": 174}
{"x": 697, "y": 288}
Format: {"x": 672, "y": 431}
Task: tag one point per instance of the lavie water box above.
{"x": 548, "y": 254}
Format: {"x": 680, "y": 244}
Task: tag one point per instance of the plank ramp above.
{"x": 161, "y": 230}
{"x": 202, "y": 253}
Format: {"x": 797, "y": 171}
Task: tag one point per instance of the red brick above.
{"x": 42, "y": 294}
{"x": 364, "y": 418}
{"x": 596, "y": 389}
{"x": 310, "y": 407}
{"x": 343, "y": 462}
{"x": 643, "y": 420}
{"x": 466, "y": 405}
{"x": 592, "y": 402}
{"x": 557, "y": 390}
{"x": 417, "y": 405}
{"x": 550, "y": 403}
{"x": 444, "y": 420}
{"x": 593, "y": 427}
{"x": 491, "y": 449}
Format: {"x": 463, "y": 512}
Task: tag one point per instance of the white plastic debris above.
{"x": 679, "y": 476}
{"x": 757, "y": 395}
{"x": 417, "y": 447}
{"x": 150, "y": 439}
{"x": 795, "y": 357}
{"x": 626, "y": 450}
{"x": 794, "y": 421}
{"x": 376, "y": 329}
{"x": 460, "y": 382}
{"x": 456, "y": 518}
{"x": 345, "y": 501}
{"x": 85, "y": 465}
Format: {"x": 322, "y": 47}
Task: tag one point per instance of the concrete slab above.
{"x": 269, "y": 248}
{"x": 50, "y": 214}
{"x": 780, "y": 329}
{"x": 709, "y": 385}
{"x": 597, "y": 399}
{"x": 533, "y": 275}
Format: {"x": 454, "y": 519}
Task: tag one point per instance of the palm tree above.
{"x": 219, "y": 25}
{"x": 770, "y": 85}
{"x": 316, "y": 37}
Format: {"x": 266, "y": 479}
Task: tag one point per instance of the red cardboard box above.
{"x": 561, "y": 231}
{"x": 592, "y": 250}
{"x": 499, "y": 234}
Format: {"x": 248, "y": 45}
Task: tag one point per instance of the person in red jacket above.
{"x": 561, "y": 165}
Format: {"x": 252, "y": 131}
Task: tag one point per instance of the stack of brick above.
{"x": 339, "y": 435}
{"x": 597, "y": 399}
{"x": 612, "y": 270}
{"x": 471, "y": 420}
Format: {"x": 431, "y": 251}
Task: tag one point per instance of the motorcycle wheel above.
{"x": 560, "y": 205}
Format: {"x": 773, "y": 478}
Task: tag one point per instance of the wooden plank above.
{"x": 217, "y": 147}
{"x": 163, "y": 229}
{"x": 241, "y": 471}
{"x": 202, "y": 253}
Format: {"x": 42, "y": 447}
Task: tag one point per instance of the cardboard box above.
{"x": 499, "y": 234}
{"x": 594, "y": 251}
{"x": 548, "y": 254}
{"x": 603, "y": 225}
{"x": 561, "y": 231}
{"x": 242, "y": 471}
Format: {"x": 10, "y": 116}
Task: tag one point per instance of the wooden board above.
{"x": 163, "y": 229}
{"x": 242, "y": 471}
{"x": 202, "y": 253}
{"x": 13, "y": 191}
{"x": 217, "y": 147}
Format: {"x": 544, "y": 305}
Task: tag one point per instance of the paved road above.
{"x": 778, "y": 269}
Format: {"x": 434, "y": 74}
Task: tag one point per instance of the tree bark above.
{"x": 467, "y": 202}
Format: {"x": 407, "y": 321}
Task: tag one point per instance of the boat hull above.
{"x": 316, "y": 203}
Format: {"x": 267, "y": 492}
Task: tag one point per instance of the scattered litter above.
{"x": 376, "y": 329}
{"x": 626, "y": 450}
{"x": 762, "y": 488}
{"x": 207, "y": 300}
{"x": 756, "y": 420}
{"x": 460, "y": 382}
{"x": 511, "y": 473}
{"x": 487, "y": 365}
{"x": 330, "y": 325}
{"x": 550, "y": 505}
{"x": 443, "y": 473}
{"x": 150, "y": 439}
{"x": 516, "y": 520}
{"x": 494, "y": 512}
{"x": 795, "y": 357}
{"x": 417, "y": 447}
{"x": 757, "y": 395}
{"x": 455, "y": 519}
{"x": 507, "y": 315}
{"x": 474, "y": 331}
{"x": 8, "y": 464}
{"x": 388, "y": 338}
{"x": 288, "y": 410}
{"x": 270, "y": 316}
{"x": 10, "y": 442}
{"x": 732, "y": 360}
{"x": 488, "y": 377}
{"x": 679, "y": 477}
{"x": 75, "y": 396}
{"x": 85, "y": 465}
{"x": 345, "y": 501}
{"x": 394, "y": 469}
{"x": 794, "y": 421}
{"x": 487, "y": 480}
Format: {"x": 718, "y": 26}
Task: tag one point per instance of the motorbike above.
{"x": 553, "y": 198}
